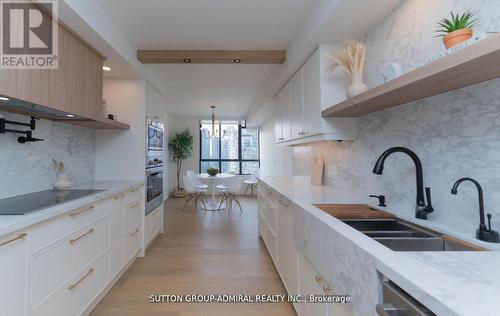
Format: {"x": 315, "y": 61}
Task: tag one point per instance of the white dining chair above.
{"x": 193, "y": 192}
{"x": 222, "y": 187}
{"x": 252, "y": 182}
{"x": 229, "y": 193}
{"x": 196, "y": 181}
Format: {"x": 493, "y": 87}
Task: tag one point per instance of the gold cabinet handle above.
{"x": 20, "y": 236}
{"x": 136, "y": 204}
{"x": 72, "y": 286}
{"x": 134, "y": 232}
{"x": 283, "y": 203}
{"x": 73, "y": 241}
{"x": 318, "y": 278}
{"x": 326, "y": 288}
{"x": 82, "y": 210}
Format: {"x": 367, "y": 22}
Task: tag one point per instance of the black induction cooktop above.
{"x": 32, "y": 202}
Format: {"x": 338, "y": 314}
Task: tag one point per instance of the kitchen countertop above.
{"x": 12, "y": 223}
{"x": 448, "y": 283}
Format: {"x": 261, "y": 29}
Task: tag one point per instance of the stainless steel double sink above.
{"x": 400, "y": 235}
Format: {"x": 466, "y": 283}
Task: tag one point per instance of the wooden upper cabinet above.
{"x": 75, "y": 87}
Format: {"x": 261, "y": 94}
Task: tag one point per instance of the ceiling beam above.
{"x": 211, "y": 56}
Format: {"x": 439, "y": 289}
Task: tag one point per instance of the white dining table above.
{"x": 212, "y": 204}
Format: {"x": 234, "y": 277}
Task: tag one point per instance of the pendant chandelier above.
{"x": 214, "y": 132}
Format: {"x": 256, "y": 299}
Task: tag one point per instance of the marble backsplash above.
{"x": 28, "y": 167}
{"x": 456, "y": 134}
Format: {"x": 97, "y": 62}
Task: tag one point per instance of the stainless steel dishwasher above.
{"x": 397, "y": 302}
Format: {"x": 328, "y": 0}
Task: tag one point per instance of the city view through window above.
{"x": 236, "y": 150}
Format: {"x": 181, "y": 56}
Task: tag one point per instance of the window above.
{"x": 236, "y": 150}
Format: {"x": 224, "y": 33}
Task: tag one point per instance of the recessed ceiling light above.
{"x": 70, "y": 115}
{"x": 4, "y": 99}
{"x": 106, "y": 68}
{"x": 237, "y": 61}
{"x": 187, "y": 60}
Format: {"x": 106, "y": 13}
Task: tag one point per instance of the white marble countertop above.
{"x": 12, "y": 223}
{"x": 448, "y": 282}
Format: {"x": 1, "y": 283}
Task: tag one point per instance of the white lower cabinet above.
{"x": 288, "y": 254}
{"x": 61, "y": 266}
{"x": 51, "y": 267}
{"x": 132, "y": 242}
{"x": 74, "y": 297}
{"x": 153, "y": 225}
{"x": 297, "y": 273}
{"x": 310, "y": 284}
{"x": 13, "y": 274}
{"x": 116, "y": 235}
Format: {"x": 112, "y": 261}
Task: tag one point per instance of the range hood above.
{"x": 22, "y": 107}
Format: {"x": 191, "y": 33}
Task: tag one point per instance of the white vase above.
{"x": 357, "y": 86}
{"x": 62, "y": 182}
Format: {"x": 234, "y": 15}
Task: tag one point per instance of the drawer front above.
{"x": 133, "y": 214}
{"x": 152, "y": 224}
{"x": 271, "y": 244}
{"x": 52, "y": 230}
{"x": 134, "y": 194}
{"x": 132, "y": 242}
{"x": 271, "y": 216}
{"x": 80, "y": 291}
{"x": 53, "y": 267}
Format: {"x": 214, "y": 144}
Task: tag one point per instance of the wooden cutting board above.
{"x": 317, "y": 172}
{"x": 353, "y": 211}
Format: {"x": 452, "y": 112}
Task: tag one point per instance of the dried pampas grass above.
{"x": 351, "y": 58}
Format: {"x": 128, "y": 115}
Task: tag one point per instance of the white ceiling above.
{"x": 208, "y": 24}
{"x": 295, "y": 25}
{"x": 191, "y": 89}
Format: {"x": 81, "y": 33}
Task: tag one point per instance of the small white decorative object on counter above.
{"x": 62, "y": 182}
{"x": 391, "y": 71}
{"x": 352, "y": 59}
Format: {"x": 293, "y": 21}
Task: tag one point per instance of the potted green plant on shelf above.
{"x": 181, "y": 148}
{"x": 458, "y": 29}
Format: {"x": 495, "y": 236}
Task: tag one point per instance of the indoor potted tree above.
{"x": 180, "y": 147}
{"x": 458, "y": 29}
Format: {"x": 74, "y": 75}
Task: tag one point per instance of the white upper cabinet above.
{"x": 297, "y": 102}
{"x": 311, "y": 86}
{"x": 282, "y": 115}
{"x": 298, "y": 106}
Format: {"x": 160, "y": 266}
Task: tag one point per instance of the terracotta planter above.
{"x": 456, "y": 37}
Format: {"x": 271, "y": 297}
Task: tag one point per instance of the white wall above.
{"x": 156, "y": 107}
{"x": 26, "y": 168}
{"x": 120, "y": 155}
{"x": 274, "y": 160}
{"x": 455, "y": 134}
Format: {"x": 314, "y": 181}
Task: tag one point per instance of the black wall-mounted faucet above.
{"x": 381, "y": 199}
{"x": 21, "y": 139}
{"x": 421, "y": 210}
{"x": 482, "y": 233}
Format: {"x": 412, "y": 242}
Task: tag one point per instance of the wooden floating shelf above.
{"x": 468, "y": 66}
{"x": 104, "y": 123}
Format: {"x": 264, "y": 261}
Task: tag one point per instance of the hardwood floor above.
{"x": 200, "y": 253}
